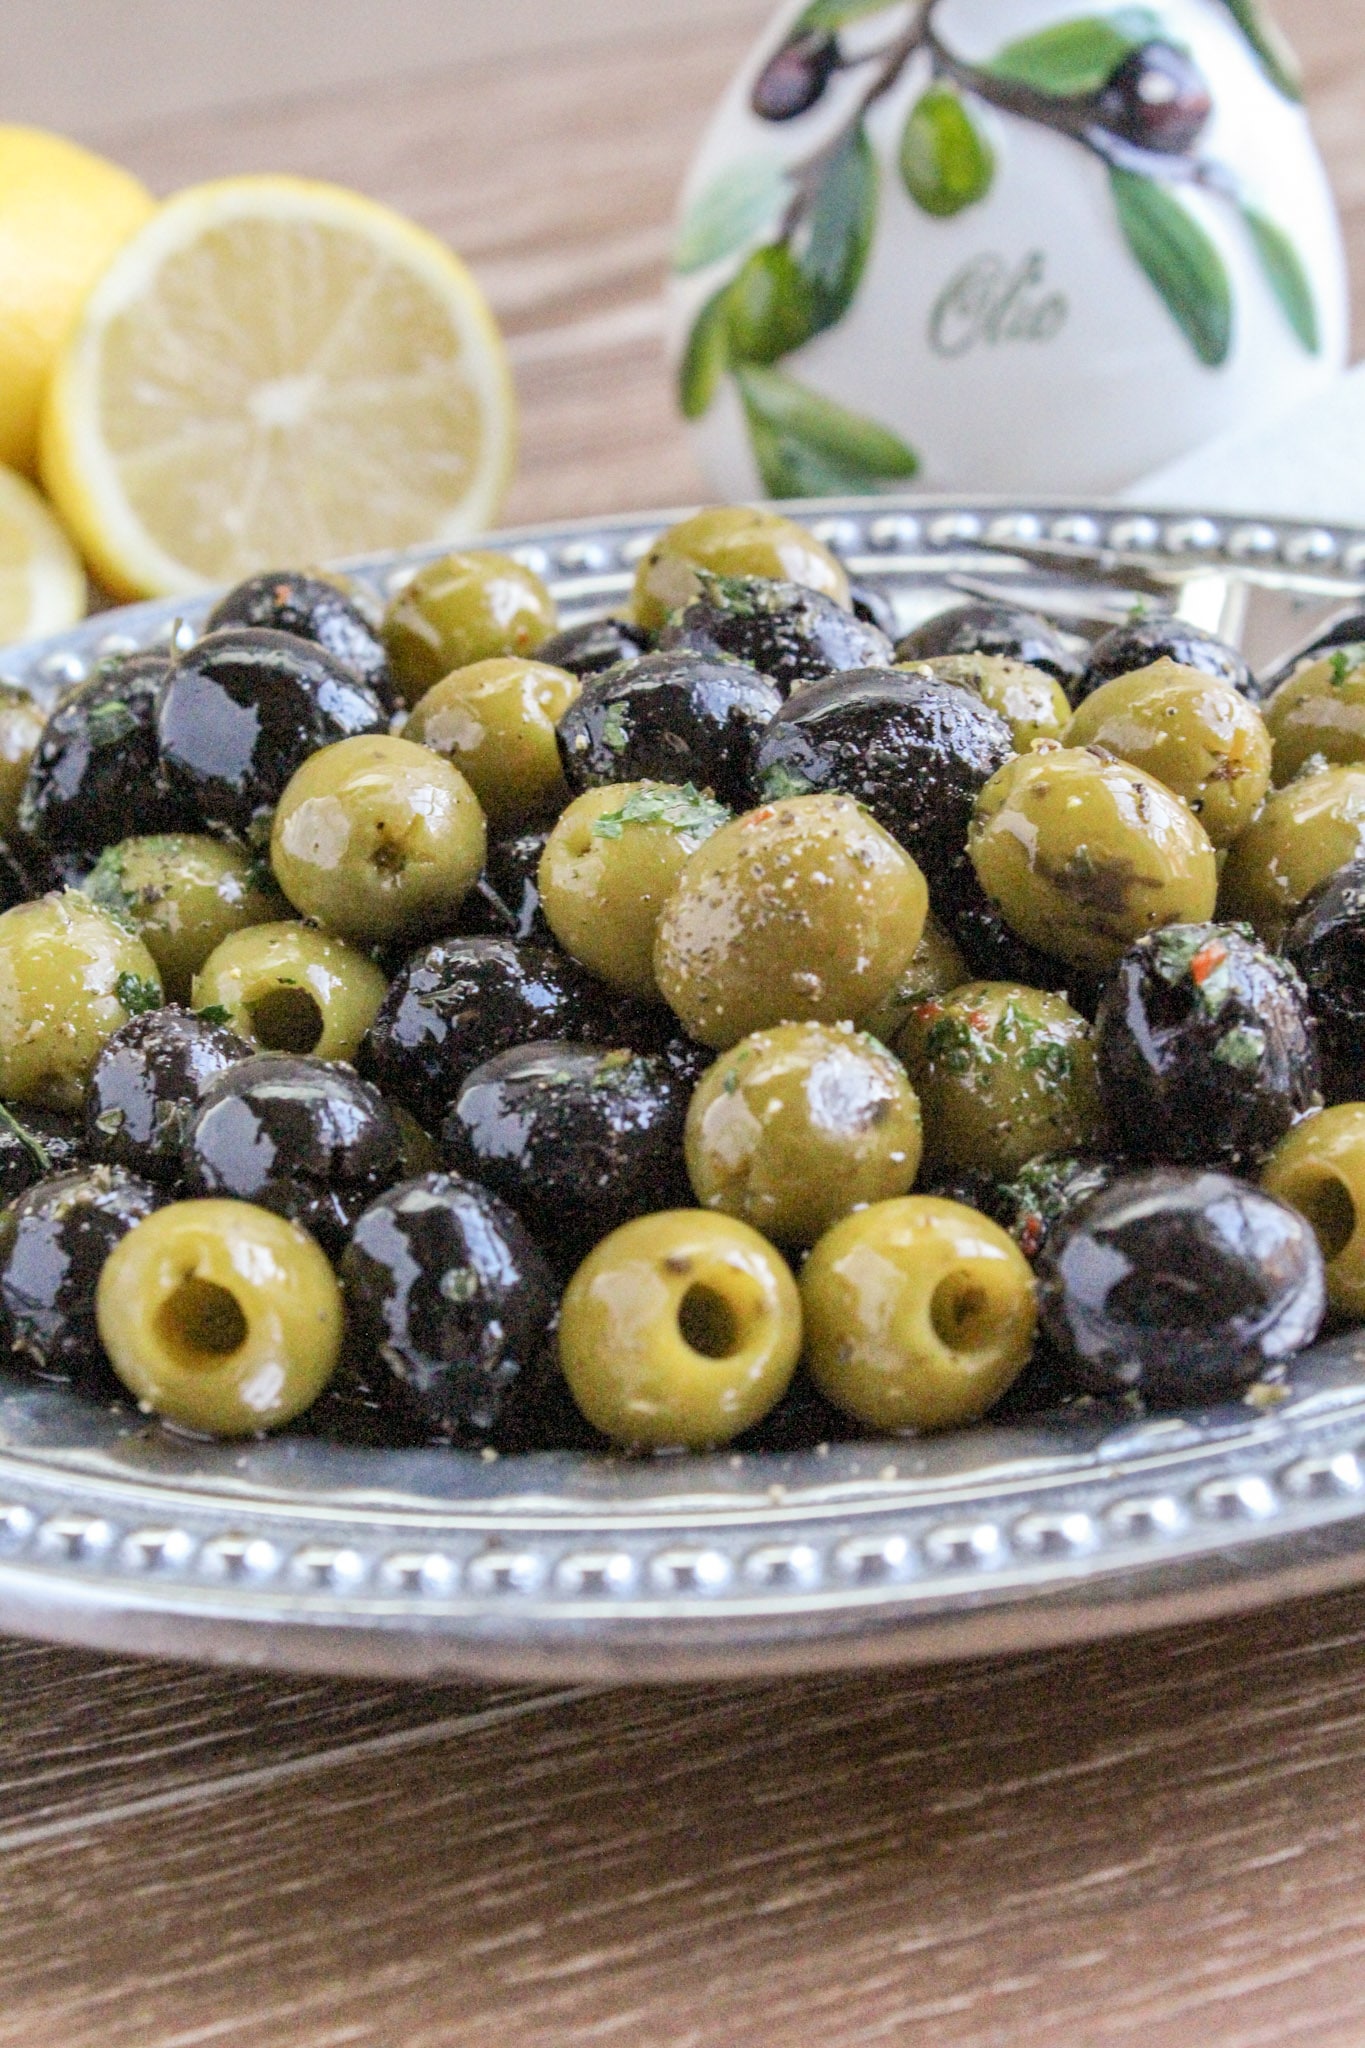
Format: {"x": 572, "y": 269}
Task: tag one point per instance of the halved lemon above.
{"x": 42, "y": 584}
{"x": 275, "y": 371}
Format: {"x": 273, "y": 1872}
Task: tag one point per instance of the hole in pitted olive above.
{"x": 708, "y": 1322}
{"x": 285, "y": 1020}
{"x": 962, "y": 1313}
{"x": 1326, "y": 1202}
{"x": 201, "y": 1323}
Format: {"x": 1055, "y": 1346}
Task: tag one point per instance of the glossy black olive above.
{"x": 870, "y": 603}
{"x": 669, "y": 718}
{"x": 304, "y": 1137}
{"x": 1157, "y": 99}
{"x": 1181, "y": 1286}
{"x": 1206, "y": 1048}
{"x": 1139, "y": 643}
{"x": 802, "y": 1420}
{"x": 994, "y": 629}
{"x": 444, "y": 1283}
{"x": 915, "y": 751}
{"x": 792, "y": 81}
{"x": 788, "y": 633}
{"x": 576, "y": 1138}
{"x": 54, "y": 1241}
{"x": 505, "y": 901}
{"x": 311, "y": 609}
{"x": 994, "y": 951}
{"x": 1046, "y": 1191}
{"x": 459, "y": 1002}
{"x": 98, "y": 764}
{"x": 594, "y": 646}
{"x": 146, "y": 1085}
{"x": 245, "y": 708}
{"x": 1326, "y": 944}
{"x": 1347, "y": 632}
{"x": 36, "y": 1143}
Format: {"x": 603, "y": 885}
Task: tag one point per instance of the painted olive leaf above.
{"x": 946, "y": 163}
{"x": 832, "y": 242}
{"x": 1075, "y": 58}
{"x": 1287, "y": 277}
{"x": 1180, "y": 260}
{"x": 1272, "y": 49}
{"x": 706, "y": 357}
{"x": 806, "y": 446}
{"x": 772, "y": 307}
{"x": 743, "y": 202}
{"x": 827, "y": 17}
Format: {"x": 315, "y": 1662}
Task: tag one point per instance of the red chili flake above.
{"x": 977, "y": 1020}
{"x": 927, "y": 1012}
{"x": 1207, "y": 962}
{"x": 1031, "y": 1230}
{"x": 761, "y": 817}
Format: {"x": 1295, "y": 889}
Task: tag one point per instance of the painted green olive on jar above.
{"x": 462, "y": 609}
{"x": 495, "y": 721}
{"x": 731, "y": 540}
{"x": 183, "y": 894}
{"x": 1083, "y": 854}
{"x": 1195, "y": 733}
{"x": 1320, "y": 711}
{"x": 289, "y": 988}
{"x": 1304, "y": 834}
{"x": 70, "y": 975}
{"x": 1032, "y": 703}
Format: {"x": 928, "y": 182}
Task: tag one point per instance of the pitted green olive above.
{"x": 731, "y": 540}
{"x": 1302, "y": 836}
{"x": 70, "y": 975}
{"x": 1320, "y": 711}
{"x": 495, "y": 721}
{"x": 1032, "y": 703}
{"x": 465, "y": 608}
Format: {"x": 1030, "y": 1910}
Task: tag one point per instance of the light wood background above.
{"x": 1160, "y": 1842}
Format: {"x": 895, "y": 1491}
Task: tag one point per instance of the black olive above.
{"x": 1157, "y": 99}
{"x": 54, "y": 1241}
{"x": 1180, "y": 1286}
{"x": 304, "y": 1137}
{"x": 1206, "y": 1048}
{"x": 1347, "y": 632}
{"x": 1045, "y": 1191}
{"x": 146, "y": 1085}
{"x": 870, "y": 603}
{"x": 1326, "y": 944}
{"x": 311, "y": 609}
{"x": 245, "y": 708}
{"x": 98, "y": 765}
{"x": 792, "y": 81}
{"x": 444, "y": 1283}
{"x": 505, "y": 901}
{"x": 994, "y": 951}
{"x": 1138, "y": 644}
{"x": 916, "y": 751}
{"x": 36, "y": 1143}
{"x": 802, "y": 1420}
{"x": 669, "y": 718}
{"x": 594, "y": 646}
{"x": 576, "y": 1138}
{"x": 788, "y": 633}
{"x": 994, "y": 629}
{"x": 459, "y": 1002}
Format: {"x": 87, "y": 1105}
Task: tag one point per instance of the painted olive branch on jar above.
{"x": 1115, "y": 84}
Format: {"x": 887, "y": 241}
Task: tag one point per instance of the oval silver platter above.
{"x": 114, "y": 1532}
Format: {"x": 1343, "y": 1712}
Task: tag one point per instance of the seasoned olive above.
{"x": 731, "y": 540}
{"x": 464, "y": 608}
{"x": 246, "y": 707}
{"x": 919, "y": 1314}
{"x": 1326, "y": 944}
{"x": 1032, "y": 702}
{"x": 803, "y": 911}
{"x": 221, "y": 1317}
{"x": 69, "y": 976}
{"x": 1142, "y": 641}
{"x": 35, "y": 1143}
{"x": 597, "y": 644}
{"x": 935, "y": 967}
{"x": 21, "y": 728}
{"x": 1084, "y": 854}
{"x": 289, "y": 988}
{"x": 54, "y": 1241}
{"x": 378, "y": 840}
{"x": 1305, "y": 835}
{"x": 994, "y": 629}
{"x": 99, "y": 752}
{"x": 610, "y": 865}
{"x": 1347, "y": 631}
{"x": 1179, "y": 1285}
{"x": 505, "y": 901}
{"x": 915, "y": 751}
{"x": 443, "y": 1282}
{"x": 1038, "y": 1198}
{"x": 681, "y": 1330}
{"x": 496, "y": 722}
{"x": 787, "y": 632}
{"x": 1003, "y": 1073}
{"x": 1206, "y": 1048}
{"x": 669, "y": 718}
{"x": 311, "y": 608}
{"x": 146, "y": 1085}
{"x": 576, "y": 1138}
{"x": 1320, "y": 712}
{"x": 794, "y": 1127}
{"x": 183, "y": 894}
{"x": 1193, "y": 732}
{"x": 1319, "y": 1169}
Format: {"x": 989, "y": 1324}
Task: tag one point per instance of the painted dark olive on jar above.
{"x": 678, "y": 717}
{"x": 54, "y": 1241}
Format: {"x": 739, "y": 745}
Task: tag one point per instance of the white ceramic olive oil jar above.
{"x": 1001, "y": 245}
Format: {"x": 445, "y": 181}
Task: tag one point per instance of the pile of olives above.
{"x": 723, "y": 1024}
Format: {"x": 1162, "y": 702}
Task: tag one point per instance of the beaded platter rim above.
{"x": 117, "y": 1534}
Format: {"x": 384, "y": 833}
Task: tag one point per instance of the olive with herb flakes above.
{"x": 594, "y": 646}
{"x": 99, "y": 755}
{"x": 993, "y": 629}
{"x": 291, "y": 988}
{"x": 183, "y": 893}
{"x": 1304, "y": 835}
{"x": 69, "y": 976}
{"x": 1326, "y": 945}
{"x": 1032, "y": 703}
{"x": 730, "y": 540}
{"x": 311, "y": 608}
{"x": 146, "y": 1085}
{"x": 54, "y": 1241}
{"x": 1141, "y": 641}
{"x": 35, "y": 1143}
{"x": 1344, "y": 632}
{"x": 788, "y": 633}
{"x": 678, "y": 717}
{"x": 1039, "y": 1197}
{"x": 1319, "y": 712}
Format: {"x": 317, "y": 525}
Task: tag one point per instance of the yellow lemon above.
{"x": 275, "y": 370}
{"x": 42, "y": 584}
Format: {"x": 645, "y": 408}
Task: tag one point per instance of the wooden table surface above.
{"x": 1160, "y": 1841}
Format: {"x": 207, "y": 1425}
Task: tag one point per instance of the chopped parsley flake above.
{"x": 136, "y": 995}
{"x": 104, "y": 886}
{"x": 614, "y": 734}
{"x": 780, "y": 781}
{"x": 680, "y": 807}
{"x": 214, "y": 1013}
{"x": 954, "y": 1045}
{"x": 1345, "y": 662}
{"x": 1051, "y": 1059}
{"x": 1241, "y": 1049}
{"x": 110, "y": 722}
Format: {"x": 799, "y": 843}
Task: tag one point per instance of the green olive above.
{"x": 1032, "y": 703}
{"x": 1319, "y": 711}
{"x": 1003, "y": 1073}
{"x": 803, "y": 911}
{"x": 183, "y": 893}
{"x": 462, "y": 609}
{"x": 1193, "y": 732}
{"x": 220, "y": 1316}
{"x": 609, "y": 866}
{"x": 792, "y": 1128}
{"x": 731, "y": 540}
{"x": 378, "y": 839}
{"x": 70, "y": 975}
{"x": 680, "y": 1330}
{"x": 496, "y": 722}
{"x": 290, "y": 988}
{"x": 1302, "y": 836}
{"x": 1083, "y": 854}
{"x": 919, "y": 1314}
{"x": 935, "y": 970}
{"x": 1319, "y": 1169}
{"x": 21, "y": 728}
